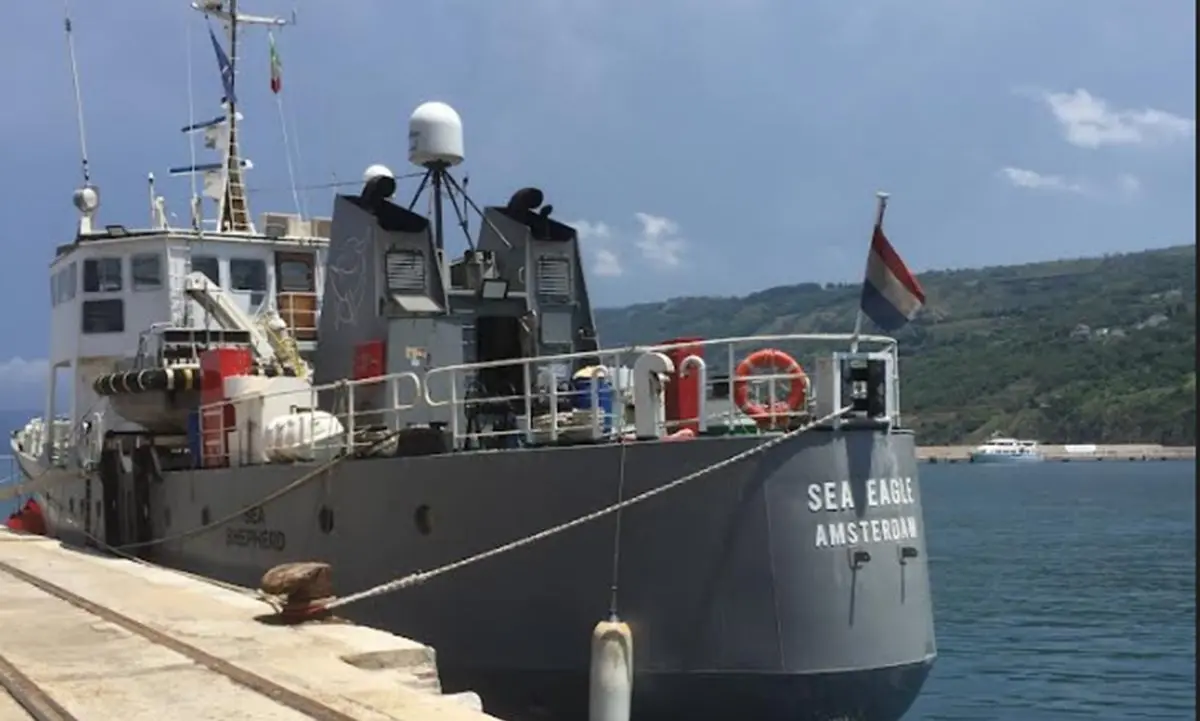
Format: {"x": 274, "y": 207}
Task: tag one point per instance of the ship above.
{"x": 1003, "y": 449}
{"x": 445, "y": 430}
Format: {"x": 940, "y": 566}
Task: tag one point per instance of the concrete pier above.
{"x": 106, "y": 638}
{"x": 1067, "y": 453}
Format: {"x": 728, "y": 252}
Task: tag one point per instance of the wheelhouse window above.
{"x": 101, "y": 275}
{"x": 146, "y": 269}
{"x": 103, "y": 316}
{"x": 54, "y": 294}
{"x": 295, "y": 276}
{"x": 207, "y": 265}
{"x": 72, "y": 281}
{"x": 248, "y": 275}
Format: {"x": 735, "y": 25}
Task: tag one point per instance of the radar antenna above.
{"x": 435, "y": 142}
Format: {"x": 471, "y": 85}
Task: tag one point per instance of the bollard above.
{"x": 611, "y": 688}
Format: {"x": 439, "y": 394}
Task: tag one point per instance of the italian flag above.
{"x": 276, "y": 67}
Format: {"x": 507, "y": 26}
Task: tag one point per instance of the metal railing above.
{"x": 547, "y": 404}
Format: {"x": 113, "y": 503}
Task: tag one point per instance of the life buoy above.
{"x": 781, "y": 363}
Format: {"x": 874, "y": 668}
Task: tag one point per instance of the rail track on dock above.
{"x": 41, "y": 706}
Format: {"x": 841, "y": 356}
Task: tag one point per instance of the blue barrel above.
{"x": 604, "y": 393}
{"x": 193, "y": 436}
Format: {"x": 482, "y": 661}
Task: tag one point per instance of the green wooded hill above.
{"x": 1095, "y": 350}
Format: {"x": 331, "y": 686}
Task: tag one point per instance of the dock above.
{"x": 1071, "y": 453}
{"x": 89, "y": 637}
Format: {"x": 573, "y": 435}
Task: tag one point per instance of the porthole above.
{"x": 423, "y": 519}
{"x": 204, "y": 516}
{"x": 325, "y": 519}
{"x": 71, "y": 506}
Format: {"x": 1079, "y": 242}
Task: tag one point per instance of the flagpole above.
{"x": 881, "y": 199}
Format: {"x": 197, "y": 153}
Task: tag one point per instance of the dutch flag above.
{"x": 891, "y": 295}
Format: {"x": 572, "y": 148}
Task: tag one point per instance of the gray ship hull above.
{"x": 792, "y": 585}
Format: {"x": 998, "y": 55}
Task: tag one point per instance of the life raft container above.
{"x": 778, "y": 412}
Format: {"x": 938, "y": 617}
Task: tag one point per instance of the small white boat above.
{"x": 999, "y": 449}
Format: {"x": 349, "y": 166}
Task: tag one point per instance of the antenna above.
{"x": 435, "y": 142}
{"x": 87, "y": 179}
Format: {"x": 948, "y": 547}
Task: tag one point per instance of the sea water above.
{"x": 1061, "y": 591}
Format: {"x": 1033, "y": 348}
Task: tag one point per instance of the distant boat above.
{"x": 999, "y": 449}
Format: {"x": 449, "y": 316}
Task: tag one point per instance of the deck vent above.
{"x": 405, "y": 271}
{"x": 554, "y": 276}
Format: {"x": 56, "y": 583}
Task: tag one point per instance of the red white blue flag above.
{"x": 891, "y": 295}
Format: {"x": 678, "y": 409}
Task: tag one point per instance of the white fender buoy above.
{"x": 610, "y": 696}
{"x": 649, "y": 411}
{"x": 702, "y": 384}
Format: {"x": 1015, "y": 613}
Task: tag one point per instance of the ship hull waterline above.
{"x": 792, "y": 585}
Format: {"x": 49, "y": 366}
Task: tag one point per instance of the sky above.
{"x": 699, "y": 146}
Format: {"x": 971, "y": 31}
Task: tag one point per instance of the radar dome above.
{"x": 376, "y": 171}
{"x": 435, "y": 136}
{"x": 86, "y": 199}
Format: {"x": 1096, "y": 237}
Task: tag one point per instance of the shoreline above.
{"x": 1070, "y": 453}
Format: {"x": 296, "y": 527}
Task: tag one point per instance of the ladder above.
{"x": 235, "y": 211}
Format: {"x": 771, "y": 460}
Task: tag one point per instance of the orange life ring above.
{"x": 779, "y": 411}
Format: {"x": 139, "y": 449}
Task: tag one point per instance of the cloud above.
{"x": 23, "y": 383}
{"x": 1129, "y": 185}
{"x": 659, "y": 241}
{"x": 1089, "y": 122}
{"x": 18, "y": 371}
{"x": 1033, "y": 180}
{"x": 595, "y": 239}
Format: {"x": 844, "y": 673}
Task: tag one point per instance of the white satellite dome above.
{"x": 376, "y": 171}
{"x": 435, "y": 135}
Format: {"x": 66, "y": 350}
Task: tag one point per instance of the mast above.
{"x": 233, "y": 214}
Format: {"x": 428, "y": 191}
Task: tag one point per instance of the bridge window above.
{"x": 207, "y": 265}
{"x": 72, "y": 281}
{"x": 103, "y": 316}
{"x": 247, "y": 274}
{"x": 146, "y": 269}
{"x": 295, "y": 276}
{"x": 101, "y": 275}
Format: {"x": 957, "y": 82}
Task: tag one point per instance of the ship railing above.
{"x": 346, "y": 416}
{"x": 581, "y": 397}
{"x": 551, "y": 406}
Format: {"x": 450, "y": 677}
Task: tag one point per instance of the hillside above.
{"x": 1095, "y": 350}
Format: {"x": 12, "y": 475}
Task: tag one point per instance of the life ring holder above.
{"x": 777, "y": 413}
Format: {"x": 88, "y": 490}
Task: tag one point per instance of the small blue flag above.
{"x": 226, "y": 67}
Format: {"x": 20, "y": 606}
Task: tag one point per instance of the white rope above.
{"x": 287, "y": 154}
{"x": 287, "y": 145}
{"x": 420, "y": 577}
{"x": 196, "y": 218}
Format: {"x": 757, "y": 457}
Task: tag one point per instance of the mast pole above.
{"x": 87, "y": 176}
